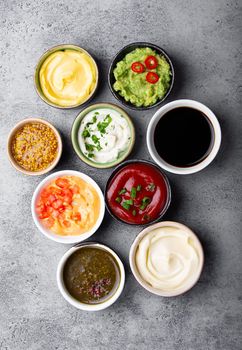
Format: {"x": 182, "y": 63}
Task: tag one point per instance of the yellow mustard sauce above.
{"x": 67, "y": 78}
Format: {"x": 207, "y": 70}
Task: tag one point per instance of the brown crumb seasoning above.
{"x": 34, "y": 146}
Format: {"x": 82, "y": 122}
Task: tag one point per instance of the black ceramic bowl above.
{"x": 168, "y": 200}
{"x": 120, "y": 55}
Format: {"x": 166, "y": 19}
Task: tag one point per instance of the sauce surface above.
{"x": 68, "y": 206}
{"x": 134, "y": 87}
{"x": 91, "y": 275}
{"x": 183, "y": 137}
{"x": 169, "y": 258}
{"x": 67, "y": 77}
{"x": 137, "y": 193}
{"x": 104, "y": 135}
{"x": 34, "y": 146}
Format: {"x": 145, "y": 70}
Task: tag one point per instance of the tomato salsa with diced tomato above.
{"x": 68, "y": 205}
{"x": 138, "y": 193}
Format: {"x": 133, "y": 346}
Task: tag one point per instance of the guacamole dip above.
{"x": 137, "y": 82}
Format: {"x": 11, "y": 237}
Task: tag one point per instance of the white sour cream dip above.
{"x": 169, "y": 259}
{"x": 104, "y": 134}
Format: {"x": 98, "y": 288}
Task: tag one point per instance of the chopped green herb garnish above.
{"x": 125, "y": 205}
{"x": 122, "y": 191}
{"x": 96, "y": 113}
{"x": 90, "y": 155}
{"x": 151, "y": 187}
{"x": 133, "y": 192}
{"x": 145, "y": 202}
{"x": 89, "y": 147}
{"x": 103, "y": 125}
{"x": 134, "y": 212}
{"x": 85, "y": 133}
{"x": 146, "y": 217}
{"x": 130, "y": 201}
{"x": 118, "y": 199}
{"x": 106, "y": 143}
{"x": 94, "y": 119}
{"x": 138, "y": 188}
{"x": 95, "y": 139}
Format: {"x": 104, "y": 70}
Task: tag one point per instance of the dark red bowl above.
{"x": 168, "y": 189}
{"x": 120, "y": 55}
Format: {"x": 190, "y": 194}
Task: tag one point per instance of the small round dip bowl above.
{"x": 81, "y": 305}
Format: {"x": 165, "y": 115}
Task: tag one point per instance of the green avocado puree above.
{"x": 133, "y": 87}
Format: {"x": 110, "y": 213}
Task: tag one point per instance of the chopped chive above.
{"x": 125, "y": 205}
{"x": 96, "y": 113}
{"x": 145, "y": 202}
{"x": 139, "y": 188}
{"x": 134, "y": 212}
{"x": 146, "y": 217}
{"x": 151, "y": 187}
{"x": 118, "y": 199}
{"x": 122, "y": 191}
{"x": 130, "y": 201}
{"x": 133, "y": 192}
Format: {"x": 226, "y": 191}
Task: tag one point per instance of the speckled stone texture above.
{"x": 203, "y": 40}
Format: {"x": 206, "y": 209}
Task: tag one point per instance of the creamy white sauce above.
{"x": 169, "y": 259}
{"x": 111, "y": 143}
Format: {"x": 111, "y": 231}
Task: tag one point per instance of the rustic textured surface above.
{"x": 202, "y": 38}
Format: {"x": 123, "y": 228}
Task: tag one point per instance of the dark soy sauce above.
{"x": 183, "y": 137}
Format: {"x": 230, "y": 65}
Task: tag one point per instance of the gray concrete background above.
{"x": 202, "y": 38}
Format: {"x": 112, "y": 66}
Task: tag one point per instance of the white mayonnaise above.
{"x": 104, "y": 135}
{"x": 169, "y": 259}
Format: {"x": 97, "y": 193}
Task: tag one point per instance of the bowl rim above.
{"x": 76, "y": 125}
{"x": 177, "y": 104}
{"x": 113, "y": 63}
{"x": 40, "y": 62}
{"x": 167, "y": 182}
{"x": 76, "y": 303}
{"x": 68, "y": 239}
{"x": 13, "y": 131}
{"x": 134, "y": 269}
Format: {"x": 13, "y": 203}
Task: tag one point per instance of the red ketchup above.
{"x": 138, "y": 193}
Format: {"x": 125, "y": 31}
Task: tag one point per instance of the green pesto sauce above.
{"x": 91, "y": 275}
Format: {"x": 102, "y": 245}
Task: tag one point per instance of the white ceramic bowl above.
{"x": 77, "y": 303}
{"x": 159, "y": 114}
{"x": 67, "y": 239}
{"x": 142, "y": 282}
